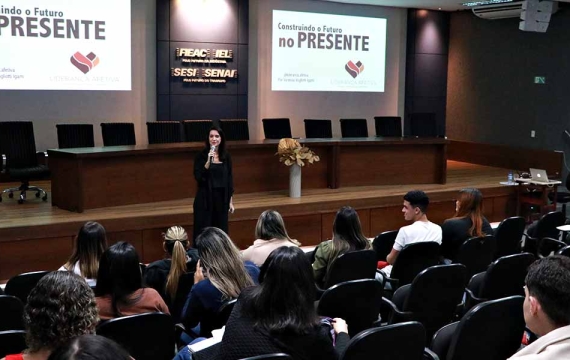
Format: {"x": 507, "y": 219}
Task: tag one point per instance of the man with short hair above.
{"x": 415, "y": 209}
{"x": 547, "y": 309}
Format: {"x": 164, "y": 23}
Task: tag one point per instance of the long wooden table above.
{"x": 89, "y": 178}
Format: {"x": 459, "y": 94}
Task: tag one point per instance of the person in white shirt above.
{"x": 415, "y": 208}
{"x": 546, "y": 309}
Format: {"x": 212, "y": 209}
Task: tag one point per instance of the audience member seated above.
{"x": 468, "y": 222}
{"x": 279, "y": 316}
{"x": 90, "y": 243}
{"x": 60, "y": 307}
{"x": 270, "y": 233}
{"x": 220, "y": 275}
{"x": 347, "y": 236}
{"x": 547, "y": 309}
{"x": 163, "y": 275}
{"x": 90, "y": 347}
{"x": 416, "y": 203}
{"x": 119, "y": 290}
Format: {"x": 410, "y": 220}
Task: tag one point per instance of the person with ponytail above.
{"x": 164, "y": 275}
{"x": 468, "y": 222}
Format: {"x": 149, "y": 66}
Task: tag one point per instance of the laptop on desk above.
{"x": 538, "y": 176}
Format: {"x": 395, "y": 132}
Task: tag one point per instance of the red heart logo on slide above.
{"x": 354, "y": 69}
{"x": 84, "y": 63}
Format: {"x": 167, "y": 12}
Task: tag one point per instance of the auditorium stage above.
{"x": 37, "y": 236}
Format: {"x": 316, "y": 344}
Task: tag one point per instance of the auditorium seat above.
{"x": 350, "y": 128}
{"x": 360, "y": 264}
{"x": 18, "y": 144}
{"x": 118, "y": 134}
{"x": 318, "y": 129}
{"x": 383, "y": 244}
{"x": 12, "y": 342}
{"x": 545, "y": 227}
{"x": 508, "y": 236}
{"x": 196, "y": 130}
{"x": 562, "y": 197}
{"x": 75, "y": 136}
{"x": 423, "y": 125}
{"x": 21, "y": 285}
{"x": 476, "y": 254}
{"x": 388, "y": 126}
{"x": 276, "y": 128}
{"x": 549, "y": 246}
{"x": 164, "y": 132}
{"x": 564, "y": 251}
{"x": 235, "y": 129}
{"x": 11, "y": 313}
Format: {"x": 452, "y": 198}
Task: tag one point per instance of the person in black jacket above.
{"x": 279, "y": 314}
{"x": 213, "y": 172}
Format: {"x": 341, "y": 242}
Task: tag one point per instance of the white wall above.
{"x": 264, "y": 103}
{"x": 48, "y": 108}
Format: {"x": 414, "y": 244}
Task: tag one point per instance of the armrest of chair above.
{"x": 393, "y": 282}
{"x": 429, "y": 355}
{"x": 471, "y": 300}
{"x": 395, "y": 315}
{"x": 529, "y": 243}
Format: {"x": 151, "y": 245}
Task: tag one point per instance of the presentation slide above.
{"x": 321, "y": 52}
{"x": 65, "y": 45}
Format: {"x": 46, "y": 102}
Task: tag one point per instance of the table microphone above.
{"x": 212, "y": 148}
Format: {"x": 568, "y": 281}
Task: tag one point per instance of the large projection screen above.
{"x": 321, "y": 52}
{"x": 65, "y": 45}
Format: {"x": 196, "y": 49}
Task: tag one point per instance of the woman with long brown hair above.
{"x": 347, "y": 236}
{"x": 468, "y": 222}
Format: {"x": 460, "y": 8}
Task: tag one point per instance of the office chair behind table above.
{"x": 18, "y": 144}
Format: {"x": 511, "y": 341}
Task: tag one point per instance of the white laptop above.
{"x": 539, "y": 176}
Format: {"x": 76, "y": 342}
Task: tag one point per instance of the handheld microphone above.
{"x": 212, "y": 148}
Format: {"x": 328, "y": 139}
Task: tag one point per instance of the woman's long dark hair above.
{"x": 284, "y": 300}
{"x": 119, "y": 275}
{"x": 221, "y": 147}
{"x": 347, "y": 234}
{"x": 90, "y": 243}
{"x": 471, "y": 206}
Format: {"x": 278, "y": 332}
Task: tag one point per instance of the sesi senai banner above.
{"x": 321, "y": 52}
{"x": 65, "y": 45}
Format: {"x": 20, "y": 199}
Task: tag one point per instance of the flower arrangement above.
{"x": 291, "y": 152}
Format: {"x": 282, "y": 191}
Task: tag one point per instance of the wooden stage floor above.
{"x": 37, "y": 233}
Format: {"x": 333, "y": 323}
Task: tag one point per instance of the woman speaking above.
{"x": 213, "y": 172}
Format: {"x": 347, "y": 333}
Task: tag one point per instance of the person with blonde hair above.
{"x": 164, "y": 275}
{"x": 270, "y": 233}
{"x": 220, "y": 275}
{"x": 90, "y": 243}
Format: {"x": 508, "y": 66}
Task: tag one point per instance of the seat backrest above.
{"x": 75, "y": 136}
{"x": 11, "y": 313}
{"x": 413, "y": 259}
{"x": 549, "y": 246}
{"x": 491, "y": 330}
{"x": 360, "y": 264}
{"x": 196, "y": 130}
{"x": 508, "y": 236}
{"x": 435, "y": 294}
{"x": 147, "y": 336}
{"x": 12, "y": 342}
{"x": 546, "y": 226}
{"x": 280, "y": 356}
{"x": 118, "y": 134}
{"x": 185, "y": 283}
{"x": 318, "y": 128}
{"x": 355, "y": 301}
{"x": 564, "y": 251}
{"x": 476, "y": 254}
{"x": 442, "y": 339}
{"x": 164, "y": 132}
{"x": 353, "y": 128}
{"x": 506, "y": 276}
{"x": 423, "y": 125}
{"x": 404, "y": 341}
{"x": 235, "y": 129}
{"x": 276, "y": 128}
{"x": 388, "y": 126}
{"x": 21, "y": 285}
{"x": 383, "y": 244}
{"x": 18, "y": 144}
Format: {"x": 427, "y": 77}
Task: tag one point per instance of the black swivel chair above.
{"x": 353, "y": 128}
{"x": 504, "y": 277}
{"x": 147, "y": 336}
{"x": 508, "y": 236}
{"x": 164, "y": 132}
{"x": 75, "y": 136}
{"x": 403, "y": 341}
{"x": 383, "y": 244}
{"x": 118, "y": 134}
{"x": 388, "y": 126}
{"x": 235, "y": 129}
{"x": 12, "y": 342}
{"x": 318, "y": 129}
{"x": 11, "y": 313}
{"x": 21, "y": 285}
{"x": 352, "y": 265}
{"x": 423, "y": 125}
{"x": 491, "y": 330}
{"x": 413, "y": 259}
{"x": 196, "y": 130}
{"x": 276, "y": 128}
{"x": 18, "y": 144}
{"x": 476, "y": 254}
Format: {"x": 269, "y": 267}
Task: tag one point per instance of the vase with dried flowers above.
{"x": 292, "y": 154}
